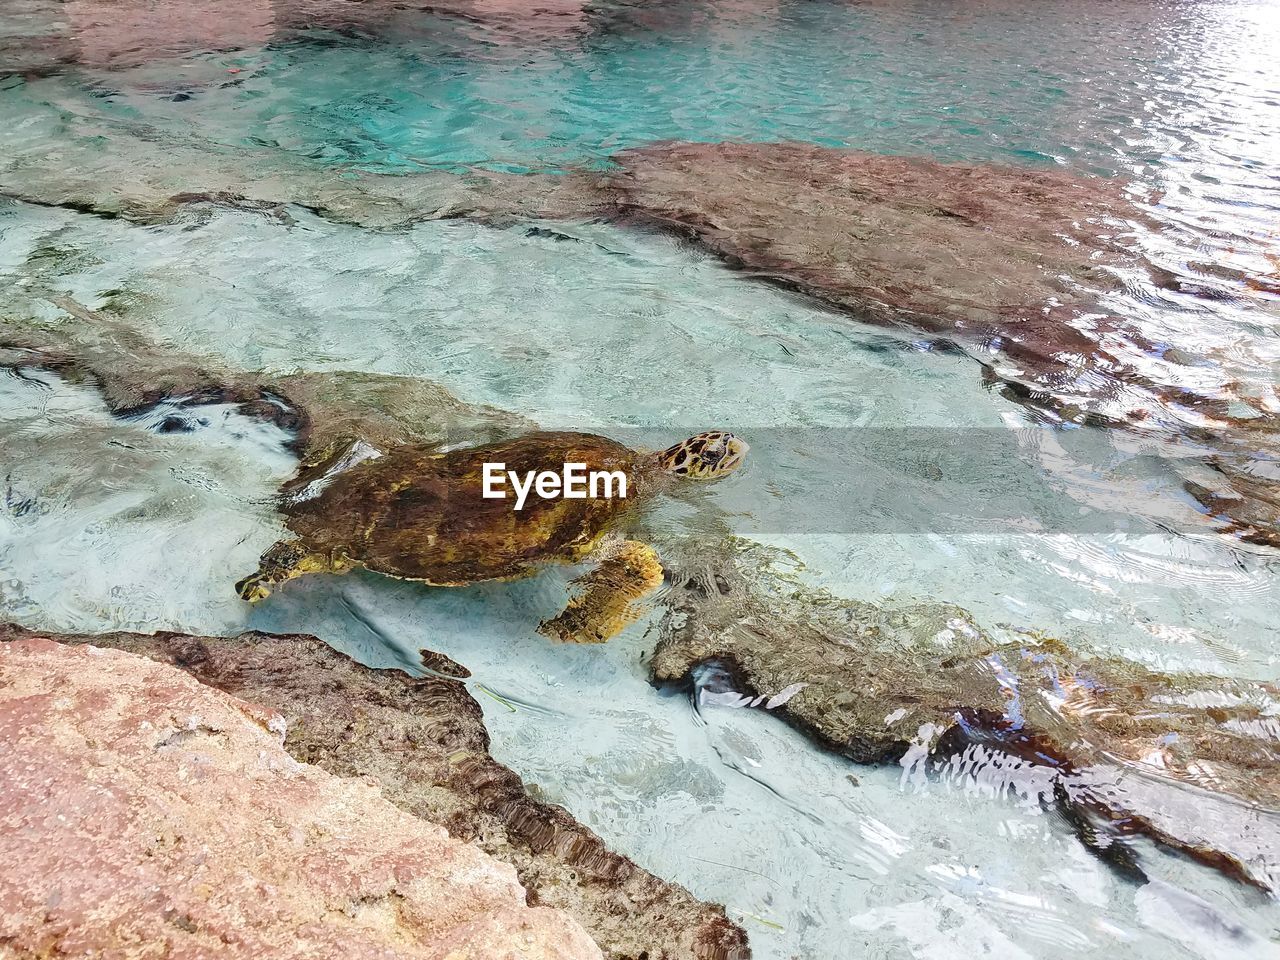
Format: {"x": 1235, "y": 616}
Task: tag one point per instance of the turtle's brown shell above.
{"x": 420, "y": 514}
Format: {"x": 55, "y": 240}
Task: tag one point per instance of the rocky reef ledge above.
{"x": 146, "y": 807}
{"x": 322, "y": 410}
{"x": 1120, "y": 750}
{"x": 1008, "y": 263}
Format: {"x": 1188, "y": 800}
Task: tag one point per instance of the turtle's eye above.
{"x": 714, "y": 451}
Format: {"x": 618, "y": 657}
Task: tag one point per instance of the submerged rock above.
{"x": 322, "y": 409}
{"x": 1242, "y": 491}
{"x": 147, "y": 813}
{"x": 1007, "y": 262}
{"x": 1190, "y": 761}
{"x": 423, "y": 741}
{"x": 151, "y": 176}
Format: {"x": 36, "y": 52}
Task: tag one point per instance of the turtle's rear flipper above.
{"x": 284, "y": 561}
{"x": 253, "y": 588}
{"x": 608, "y": 596}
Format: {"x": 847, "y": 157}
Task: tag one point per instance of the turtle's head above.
{"x": 708, "y": 456}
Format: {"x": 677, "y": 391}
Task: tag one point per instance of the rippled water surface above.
{"x": 116, "y": 522}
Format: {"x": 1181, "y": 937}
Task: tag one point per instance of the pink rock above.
{"x": 121, "y": 34}
{"x": 125, "y": 33}
{"x": 144, "y": 814}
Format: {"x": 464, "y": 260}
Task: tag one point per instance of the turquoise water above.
{"x": 1114, "y": 88}
{"x": 591, "y": 326}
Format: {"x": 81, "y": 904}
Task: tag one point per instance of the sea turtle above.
{"x": 416, "y": 513}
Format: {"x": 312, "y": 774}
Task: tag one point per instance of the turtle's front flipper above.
{"x": 284, "y": 561}
{"x": 607, "y": 598}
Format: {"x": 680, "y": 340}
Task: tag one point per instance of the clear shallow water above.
{"x": 639, "y": 336}
{"x": 624, "y": 330}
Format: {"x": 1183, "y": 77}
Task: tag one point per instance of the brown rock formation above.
{"x": 1242, "y": 488}
{"x": 973, "y": 252}
{"x": 1191, "y": 761}
{"x": 322, "y": 409}
{"x": 423, "y": 740}
{"x": 146, "y": 813}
